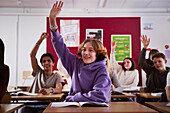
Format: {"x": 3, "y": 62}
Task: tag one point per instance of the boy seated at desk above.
{"x": 45, "y": 81}
{"x": 156, "y": 75}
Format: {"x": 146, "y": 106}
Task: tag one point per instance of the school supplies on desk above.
{"x": 79, "y": 104}
{"x": 20, "y": 93}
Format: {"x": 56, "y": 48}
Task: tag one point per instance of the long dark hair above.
{"x": 133, "y": 67}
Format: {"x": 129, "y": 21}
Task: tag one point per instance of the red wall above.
{"x": 110, "y": 25}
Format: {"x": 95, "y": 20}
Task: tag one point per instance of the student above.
{"x": 4, "y": 72}
{"x": 128, "y": 76}
{"x": 90, "y": 76}
{"x": 156, "y": 74}
{"x": 149, "y": 60}
{"x": 168, "y": 87}
{"x": 45, "y": 81}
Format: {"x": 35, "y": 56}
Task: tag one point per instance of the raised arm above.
{"x": 33, "y": 53}
{"x": 113, "y": 61}
{"x": 55, "y": 11}
{"x": 142, "y": 61}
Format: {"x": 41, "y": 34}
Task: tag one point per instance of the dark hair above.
{"x": 133, "y": 64}
{"x": 49, "y": 55}
{"x": 101, "y": 51}
{"x": 152, "y": 52}
{"x": 159, "y": 55}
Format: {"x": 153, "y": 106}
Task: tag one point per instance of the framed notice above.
{"x": 123, "y": 46}
{"x": 95, "y": 33}
{"x": 70, "y": 30}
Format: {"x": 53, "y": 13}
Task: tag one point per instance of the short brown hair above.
{"x": 159, "y": 55}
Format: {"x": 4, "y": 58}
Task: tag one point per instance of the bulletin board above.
{"x": 110, "y": 25}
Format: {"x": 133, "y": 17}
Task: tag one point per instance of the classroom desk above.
{"x": 8, "y": 108}
{"x": 65, "y": 90}
{"x": 126, "y": 95}
{"x": 148, "y": 96}
{"x": 115, "y": 107}
{"x": 38, "y": 97}
{"x": 160, "y": 106}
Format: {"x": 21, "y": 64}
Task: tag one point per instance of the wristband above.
{"x": 52, "y": 90}
{"x": 53, "y": 27}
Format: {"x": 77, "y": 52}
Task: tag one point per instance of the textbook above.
{"x": 156, "y": 94}
{"x": 79, "y": 104}
{"x": 20, "y": 93}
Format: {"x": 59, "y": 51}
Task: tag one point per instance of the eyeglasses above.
{"x": 46, "y": 60}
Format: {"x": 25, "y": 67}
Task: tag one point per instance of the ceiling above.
{"x": 79, "y": 4}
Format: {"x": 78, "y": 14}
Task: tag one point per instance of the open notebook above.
{"x": 79, "y": 104}
{"x": 20, "y": 93}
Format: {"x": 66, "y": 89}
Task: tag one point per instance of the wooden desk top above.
{"x": 147, "y": 95}
{"x": 127, "y": 95}
{"x": 115, "y": 107}
{"x": 160, "y": 106}
{"x": 38, "y": 97}
{"x": 8, "y": 108}
{"x": 65, "y": 90}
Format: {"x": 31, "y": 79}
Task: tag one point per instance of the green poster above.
{"x": 123, "y": 46}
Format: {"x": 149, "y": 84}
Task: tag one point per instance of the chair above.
{"x": 6, "y": 98}
{"x": 27, "y": 75}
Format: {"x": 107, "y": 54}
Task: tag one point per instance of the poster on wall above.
{"x": 95, "y": 33}
{"x": 123, "y": 46}
{"x": 70, "y": 30}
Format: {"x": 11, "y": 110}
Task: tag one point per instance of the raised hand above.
{"x": 56, "y": 9}
{"x": 145, "y": 41}
{"x": 113, "y": 46}
{"x": 43, "y": 36}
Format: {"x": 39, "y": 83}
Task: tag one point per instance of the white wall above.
{"x": 159, "y": 36}
{"x": 20, "y": 34}
{"x": 19, "y": 38}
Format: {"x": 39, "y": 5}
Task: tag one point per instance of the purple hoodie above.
{"x": 89, "y": 82}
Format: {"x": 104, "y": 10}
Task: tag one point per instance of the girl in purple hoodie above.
{"x": 89, "y": 74}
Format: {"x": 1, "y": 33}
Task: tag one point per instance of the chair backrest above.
{"x": 27, "y": 75}
{"x": 6, "y": 98}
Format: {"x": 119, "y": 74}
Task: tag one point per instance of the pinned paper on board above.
{"x": 70, "y": 30}
{"x": 167, "y": 54}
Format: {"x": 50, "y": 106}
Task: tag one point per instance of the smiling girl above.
{"x": 89, "y": 74}
{"x": 128, "y": 76}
